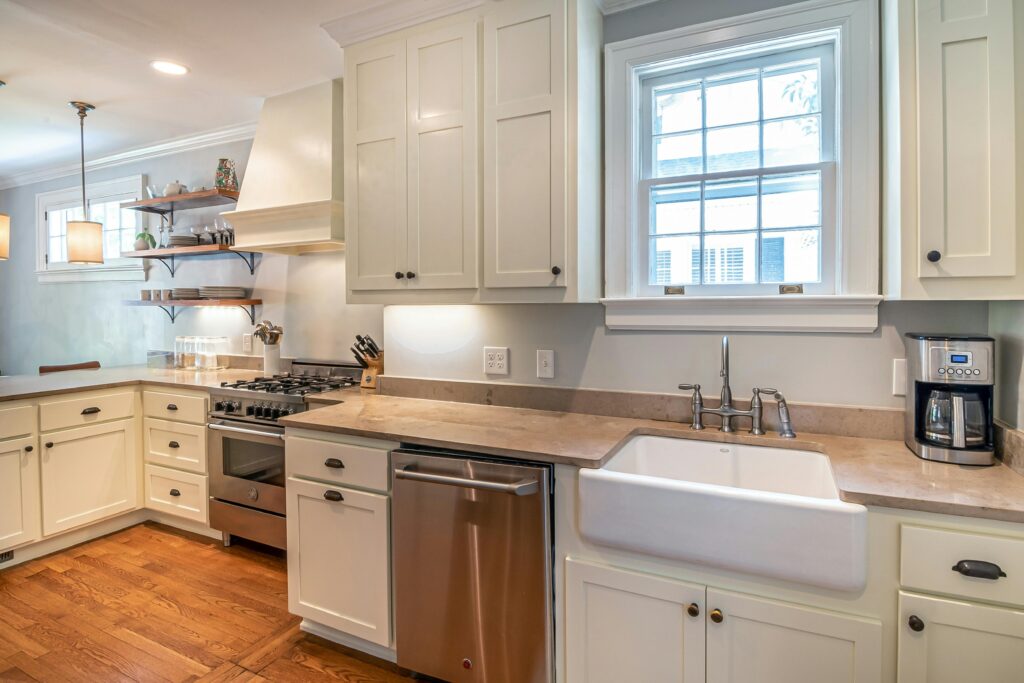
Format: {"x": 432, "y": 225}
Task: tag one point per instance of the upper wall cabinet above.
{"x": 470, "y": 174}
{"x": 954, "y": 204}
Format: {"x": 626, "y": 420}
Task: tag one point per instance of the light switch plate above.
{"x": 545, "y": 364}
{"x": 246, "y": 343}
{"x": 899, "y": 376}
{"x": 496, "y": 360}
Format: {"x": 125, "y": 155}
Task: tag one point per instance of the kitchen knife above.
{"x": 359, "y": 357}
{"x": 364, "y": 348}
{"x": 372, "y": 344}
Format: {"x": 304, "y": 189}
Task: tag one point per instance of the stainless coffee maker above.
{"x": 949, "y": 398}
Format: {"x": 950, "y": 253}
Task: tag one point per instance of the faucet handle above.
{"x": 766, "y": 392}
{"x": 690, "y": 387}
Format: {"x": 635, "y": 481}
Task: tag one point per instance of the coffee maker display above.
{"x": 949, "y": 398}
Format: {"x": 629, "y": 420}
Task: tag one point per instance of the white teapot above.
{"x": 174, "y": 188}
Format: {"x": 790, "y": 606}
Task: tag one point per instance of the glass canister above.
{"x": 211, "y": 353}
{"x": 188, "y": 356}
{"x": 179, "y": 352}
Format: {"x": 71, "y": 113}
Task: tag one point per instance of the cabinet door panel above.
{"x": 960, "y": 641}
{"x": 524, "y": 145}
{"x": 627, "y": 626}
{"x": 19, "y": 492}
{"x": 966, "y": 118}
{"x": 443, "y": 178}
{"x": 375, "y": 163}
{"x": 338, "y": 576}
{"x": 774, "y": 642}
{"x": 87, "y": 474}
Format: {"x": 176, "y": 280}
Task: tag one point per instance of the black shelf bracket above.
{"x": 171, "y": 267}
{"x": 250, "y": 260}
{"x": 251, "y": 312}
{"x": 171, "y": 312}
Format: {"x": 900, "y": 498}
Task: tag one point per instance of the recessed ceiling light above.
{"x": 172, "y": 68}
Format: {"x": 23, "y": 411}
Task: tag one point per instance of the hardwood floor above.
{"x": 151, "y": 603}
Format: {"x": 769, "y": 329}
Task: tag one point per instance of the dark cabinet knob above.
{"x": 171, "y": 407}
{"x": 334, "y": 464}
{"x": 717, "y": 616}
{"x": 49, "y": 444}
{"x": 411, "y": 275}
{"x": 933, "y": 256}
{"x": 979, "y": 569}
{"x": 29, "y": 449}
{"x": 399, "y": 276}
{"x": 175, "y": 492}
{"x": 173, "y": 444}
{"x": 693, "y": 610}
{"x": 334, "y": 496}
{"x": 90, "y": 411}
{"x": 555, "y": 270}
{"x": 915, "y": 623}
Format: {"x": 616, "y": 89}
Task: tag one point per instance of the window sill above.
{"x": 127, "y": 273}
{"x": 788, "y": 313}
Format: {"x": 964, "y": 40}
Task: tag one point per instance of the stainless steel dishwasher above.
{"x": 471, "y": 550}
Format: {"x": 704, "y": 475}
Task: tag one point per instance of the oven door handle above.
{"x": 250, "y": 432}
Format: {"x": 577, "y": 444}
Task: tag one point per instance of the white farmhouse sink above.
{"x": 767, "y": 511}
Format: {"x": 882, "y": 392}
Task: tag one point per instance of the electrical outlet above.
{"x": 545, "y": 364}
{"x": 496, "y": 360}
{"x": 899, "y": 376}
{"x": 246, "y": 343}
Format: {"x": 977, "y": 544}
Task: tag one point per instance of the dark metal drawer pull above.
{"x": 334, "y": 463}
{"x": 915, "y": 623}
{"x": 28, "y": 449}
{"x": 174, "y": 444}
{"x": 333, "y": 496}
{"x": 175, "y": 492}
{"x": 171, "y": 406}
{"x": 979, "y": 569}
{"x": 90, "y": 411}
{"x": 49, "y": 444}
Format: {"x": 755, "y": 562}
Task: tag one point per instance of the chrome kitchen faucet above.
{"x": 727, "y": 411}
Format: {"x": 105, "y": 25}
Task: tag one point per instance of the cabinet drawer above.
{"x": 177, "y": 493}
{"x": 85, "y": 409}
{"x": 175, "y": 444}
{"x": 353, "y": 465}
{"x": 20, "y": 421}
{"x": 179, "y": 407}
{"x": 928, "y": 557}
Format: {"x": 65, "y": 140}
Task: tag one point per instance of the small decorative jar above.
{"x": 226, "y": 178}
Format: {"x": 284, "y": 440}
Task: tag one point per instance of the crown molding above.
{"x": 613, "y": 6}
{"x": 391, "y": 16}
{"x": 217, "y": 136}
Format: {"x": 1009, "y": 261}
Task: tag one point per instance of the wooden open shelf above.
{"x": 169, "y": 253}
{"x": 169, "y": 307}
{"x": 182, "y": 202}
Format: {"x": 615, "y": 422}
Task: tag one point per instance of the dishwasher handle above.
{"x": 523, "y": 487}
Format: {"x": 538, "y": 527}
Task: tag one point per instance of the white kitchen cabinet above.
{"x": 627, "y": 626}
{"x": 755, "y": 639}
{"x": 88, "y": 473}
{"x": 507, "y": 211}
{"x": 19, "y": 492}
{"x": 339, "y": 559}
{"x": 954, "y": 172}
{"x": 950, "y": 641}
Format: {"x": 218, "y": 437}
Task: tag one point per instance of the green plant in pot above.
{"x": 144, "y": 241}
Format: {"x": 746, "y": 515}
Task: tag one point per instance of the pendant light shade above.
{"x": 5, "y": 236}
{"x": 85, "y": 237}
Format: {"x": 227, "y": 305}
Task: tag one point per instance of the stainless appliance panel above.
{"x": 247, "y": 465}
{"x": 472, "y": 558}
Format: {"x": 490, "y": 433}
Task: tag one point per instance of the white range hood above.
{"x": 291, "y": 198}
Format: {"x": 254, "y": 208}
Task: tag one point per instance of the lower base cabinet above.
{"x": 19, "y": 492}
{"x": 339, "y": 559}
{"x": 88, "y": 473}
{"x": 624, "y": 625}
{"x": 943, "y": 640}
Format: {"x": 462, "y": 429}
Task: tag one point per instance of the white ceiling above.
{"x": 239, "y": 51}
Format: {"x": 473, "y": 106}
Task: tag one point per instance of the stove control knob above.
{"x": 288, "y": 411}
{"x": 275, "y": 413}
{"x": 258, "y": 410}
{"x": 250, "y": 410}
{"x": 229, "y": 407}
{"x": 218, "y": 406}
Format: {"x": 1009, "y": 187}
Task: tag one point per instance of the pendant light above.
{"x": 5, "y": 236}
{"x": 85, "y": 237}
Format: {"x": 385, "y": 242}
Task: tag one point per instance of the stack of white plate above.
{"x": 182, "y": 240}
{"x": 185, "y": 293}
{"x": 221, "y": 293}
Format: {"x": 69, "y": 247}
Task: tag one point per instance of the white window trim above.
{"x": 113, "y": 269}
{"x": 857, "y": 268}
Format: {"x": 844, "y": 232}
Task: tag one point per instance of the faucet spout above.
{"x": 726, "y": 401}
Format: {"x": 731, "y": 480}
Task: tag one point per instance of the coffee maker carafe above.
{"x": 949, "y": 398}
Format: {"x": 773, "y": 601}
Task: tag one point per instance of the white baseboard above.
{"x": 326, "y": 632}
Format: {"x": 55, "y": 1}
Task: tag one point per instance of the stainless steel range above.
{"x": 246, "y": 446}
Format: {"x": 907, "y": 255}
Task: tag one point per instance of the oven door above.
{"x": 247, "y": 464}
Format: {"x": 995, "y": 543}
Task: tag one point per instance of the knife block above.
{"x": 370, "y": 374}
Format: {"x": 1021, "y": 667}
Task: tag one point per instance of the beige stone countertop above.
{"x": 868, "y": 471}
{"x": 15, "y": 387}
